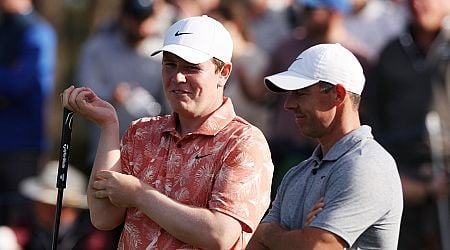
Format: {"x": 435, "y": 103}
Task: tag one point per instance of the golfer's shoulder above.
{"x": 152, "y": 123}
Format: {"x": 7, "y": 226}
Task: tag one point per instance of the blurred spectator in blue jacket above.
{"x": 27, "y": 63}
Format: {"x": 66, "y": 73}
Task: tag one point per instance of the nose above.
{"x": 180, "y": 77}
{"x": 290, "y": 103}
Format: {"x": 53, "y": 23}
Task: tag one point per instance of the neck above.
{"x": 336, "y": 31}
{"x": 188, "y": 122}
{"x": 188, "y": 125}
{"x": 424, "y": 38}
{"x": 340, "y": 128}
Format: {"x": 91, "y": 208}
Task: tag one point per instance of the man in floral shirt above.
{"x": 198, "y": 178}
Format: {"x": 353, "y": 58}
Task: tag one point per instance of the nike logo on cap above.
{"x": 182, "y": 33}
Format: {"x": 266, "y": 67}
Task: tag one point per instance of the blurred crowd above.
{"x": 403, "y": 45}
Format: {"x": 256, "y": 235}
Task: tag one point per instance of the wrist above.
{"x": 110, "y": 126}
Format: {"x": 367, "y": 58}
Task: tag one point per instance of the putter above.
{"x": 61, "y": 178}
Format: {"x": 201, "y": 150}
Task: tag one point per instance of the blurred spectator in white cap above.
{"x": 115, "y": 62}
{"x": 75, "y": 230}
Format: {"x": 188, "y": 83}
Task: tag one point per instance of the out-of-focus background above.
{"x": 403, "y": 45}
{"x": 74, "y": 21}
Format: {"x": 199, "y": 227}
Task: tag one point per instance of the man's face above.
{"x": 15, "y": 6}
{"x": 193, "y": 90}
{"x": 317, "y": 20}
{"x": 428, "y": 14}
{"x": 136, "y": 30}
{"x": 313, "y": 108}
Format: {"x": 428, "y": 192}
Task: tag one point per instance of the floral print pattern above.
{"x": 225, "y": 165}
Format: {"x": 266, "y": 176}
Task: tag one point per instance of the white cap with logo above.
{"x": 198, "y": 39}
{"x": 330, "y": 63}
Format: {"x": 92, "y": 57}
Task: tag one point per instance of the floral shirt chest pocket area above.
{"x": 184, "y": 170}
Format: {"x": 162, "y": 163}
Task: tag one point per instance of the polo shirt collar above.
{"x": 344, "y": 144}
{"x": 212, "y": 125}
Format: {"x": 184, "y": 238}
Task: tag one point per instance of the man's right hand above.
{"x": 314, "y": 211}
{"x": 85, "y": 102}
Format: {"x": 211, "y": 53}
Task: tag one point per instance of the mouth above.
{"x": 300, "y": 118}
{"x": 179, "y": 92}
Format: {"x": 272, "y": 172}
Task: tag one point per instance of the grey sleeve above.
{"x": 355, "y": 198}
{"x": 274, "y": 212}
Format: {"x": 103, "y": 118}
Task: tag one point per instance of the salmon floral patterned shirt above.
{"x": 225, "y": 166}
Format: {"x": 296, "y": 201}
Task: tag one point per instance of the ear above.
{"x": 225, "y": 74}
{"x": 341, "y": 93}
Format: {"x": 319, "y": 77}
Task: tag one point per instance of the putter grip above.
{"x": 65, "y": 148}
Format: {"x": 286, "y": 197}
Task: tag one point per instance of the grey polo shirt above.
{"x": 361, "y": 186}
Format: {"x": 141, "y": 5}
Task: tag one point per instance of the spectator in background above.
{"x": 248, "y": 62}
{"x": 267, "y": 26}
{"x": 188, "y": 8}
{"x": 411, "y": 79}
{"x": 27, "y": 64}
{"x": 116, "y": 63}
{"x": 375, "y": 22}
{"x": 35, "y": 230}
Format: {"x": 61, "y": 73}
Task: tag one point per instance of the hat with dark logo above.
{"x": 198, "y": 39}
{"x": 330, "y": 63}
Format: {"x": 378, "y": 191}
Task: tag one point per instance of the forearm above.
{"x": 256, "y": 242}
{"x": 269, "y": 236}
{"x": 199, "y": 227}
{"x": 104, "y": 215}
{"x": 284, "y": 240}
{"x": 273, "y": 236}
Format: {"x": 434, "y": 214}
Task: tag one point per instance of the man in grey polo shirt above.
{"x": 357, "y": 179}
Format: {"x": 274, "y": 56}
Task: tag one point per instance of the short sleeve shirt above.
{"x": 225, "y": 166}
{"x": 361, "y": 188}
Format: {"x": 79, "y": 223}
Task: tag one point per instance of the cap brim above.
{"x": 186, "y": 53}
{"x": 287, "y": 81}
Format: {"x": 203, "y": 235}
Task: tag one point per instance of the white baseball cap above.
{"x": 198, "y": 39}
{"x": 330, "y": 63}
